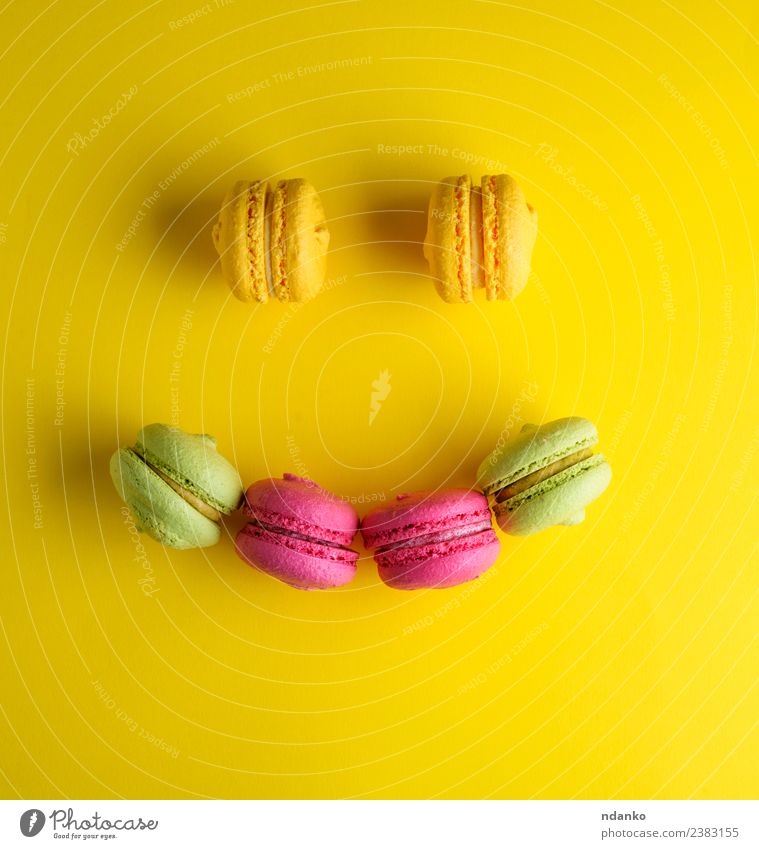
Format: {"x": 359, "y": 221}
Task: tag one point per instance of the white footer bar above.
{"x": 381, "y": 824}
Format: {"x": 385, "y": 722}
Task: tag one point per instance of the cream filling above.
{"x": 267, "y": 243}
{"x": 542, "y": 474}
{"x": 193, "y": 500}
{"x": 476, "y": 239}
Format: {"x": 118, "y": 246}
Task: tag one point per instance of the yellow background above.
{"x": 614, "y": 659}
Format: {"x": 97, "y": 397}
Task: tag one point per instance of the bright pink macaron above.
{"x": 431, "y": 539}
{"x": 299, "y": 533}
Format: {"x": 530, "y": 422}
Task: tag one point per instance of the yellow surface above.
{"x": 614, "y": 659}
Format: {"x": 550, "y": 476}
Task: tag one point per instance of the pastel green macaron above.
{"x": 176, "y": 485}
{"x": 545, "y": 476}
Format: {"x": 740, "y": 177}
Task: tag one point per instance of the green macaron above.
{"x": 176, "y": 485}
{"x": 545, "y": 476}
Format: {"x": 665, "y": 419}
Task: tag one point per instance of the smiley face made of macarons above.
{"x": 479, "y": 237}
{"x": 272, "y": 242}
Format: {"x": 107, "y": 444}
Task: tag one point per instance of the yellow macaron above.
{"x": 479, "y": 237}
{"x": 272, "y": 242}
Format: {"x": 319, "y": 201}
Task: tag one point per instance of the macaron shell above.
{"x": 299, "y": 241}
{"x": 192, "y": 461}
{"x": 554, "y": 502}
{"x": 439, "y": 566}
{"x": 301, "y": 564}
{"x": 301, "y": 506}
{"x": 415, "y": 514}
{"x": 534, "y": 448}
{"x": 158, "y": 510}
{"x": 239, "y": 238}
{"x": 510, "y": 228}
{"x": 447, "y": 243}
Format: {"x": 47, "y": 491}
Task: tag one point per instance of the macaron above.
{"x": 431, "y": 539}
{"x": 545, "y": 476}
{"x": 272, "y": 242}
{"x": 299, "y": 533}
{"x": 479, "y": 237}
{"x": 176, "y": 485}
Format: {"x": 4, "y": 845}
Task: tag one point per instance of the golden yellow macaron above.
{"x": 272, "y": 242}
{"x": 479, "y": 237}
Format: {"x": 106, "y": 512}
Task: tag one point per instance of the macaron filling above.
{"x": 476, "y": 238}
{"x": 493, "y": 258}
{"x": 315, "y": 546}
{"x": 255, "y": 208}
{"x": 271, "y": 520}
{"x": 267, "y": 244}
{"x": 279, "y": 529}
{"x": 387, "y": 535}
{"x": 438, "y": 536}
{"x": 279, "y": 212}
{"x": 460, "y": 232}
{"x": 573, "y": 470}
{"x": 198, "y": 504}
{"x": 542, "y": 474}
{"x": 477, "y": 234}
{"x": 468, "y": 216}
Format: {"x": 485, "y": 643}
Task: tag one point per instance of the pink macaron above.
{"x": 431, "y": 539}
{"x": 299, "y": 533}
